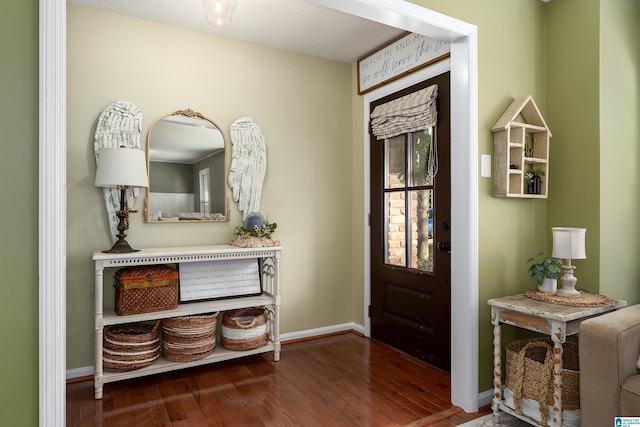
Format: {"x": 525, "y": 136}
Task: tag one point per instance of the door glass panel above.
{"x": 395, "y": 149}
{"x": 420, "y": 158}
{"x": 395, "y": 243}
{"x": 421, "y": 229}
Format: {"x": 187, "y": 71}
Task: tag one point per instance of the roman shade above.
{"x": 410, "y": 113}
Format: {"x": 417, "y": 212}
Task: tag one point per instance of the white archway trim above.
{"x": 464, "y": 183}
{"x": 52, "y": 213}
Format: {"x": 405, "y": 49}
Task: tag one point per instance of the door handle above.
{"x": 444, "y": 246}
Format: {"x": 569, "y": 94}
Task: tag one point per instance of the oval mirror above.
{"x": 187, "y": 169}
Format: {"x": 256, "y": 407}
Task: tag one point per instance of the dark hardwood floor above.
{"x": 338, "y": 380}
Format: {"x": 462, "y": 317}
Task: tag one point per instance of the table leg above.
{"x": 497, "y": 365}
{"x": 558, "y": 338}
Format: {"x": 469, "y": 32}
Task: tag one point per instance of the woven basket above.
{"x": 143, "y": 289}
{"x": 130, "y": 346}
{"x": 529, "y": 374}
{"x": 189, "y": 338}
{"x": 244, "y": 329}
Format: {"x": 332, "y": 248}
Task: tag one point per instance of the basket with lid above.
{"x": 143, "y": 289}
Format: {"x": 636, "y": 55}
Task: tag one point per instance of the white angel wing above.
{"x": 248, "y": 165}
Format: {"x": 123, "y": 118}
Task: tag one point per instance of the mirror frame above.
{"x": 191, "y": 114}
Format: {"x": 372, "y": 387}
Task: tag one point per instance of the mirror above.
{"x": 187, "y": 169}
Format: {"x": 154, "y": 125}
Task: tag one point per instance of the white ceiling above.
{"x": 292, "y": 25}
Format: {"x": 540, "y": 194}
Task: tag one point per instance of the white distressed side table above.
{"x": 557, "y": 321}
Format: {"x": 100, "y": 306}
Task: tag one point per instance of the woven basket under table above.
{"x": 244, "y": 329}
{"x": 130, "y": 346}
{"x": 529, "y": 374}
{"x": 189, "y": 338}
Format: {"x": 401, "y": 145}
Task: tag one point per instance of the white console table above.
{"x": 270, "y": 296}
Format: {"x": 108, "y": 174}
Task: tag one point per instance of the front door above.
{"x": 410, "y": 235}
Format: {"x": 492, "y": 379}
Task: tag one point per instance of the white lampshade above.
{"x": 569, "y": 243}
{"x": 119, "y": 167}
{"x": 219, "y": 11}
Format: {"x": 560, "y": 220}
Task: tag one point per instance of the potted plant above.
{"x": 534, "y": 181}
{"x": 547, "y": 271}
{"x": 255, "y": 233}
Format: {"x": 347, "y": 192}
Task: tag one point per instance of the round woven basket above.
{"x": 130, "y": 346}
{"x": 244, "y": 329}
{"x": 189, "y": 338}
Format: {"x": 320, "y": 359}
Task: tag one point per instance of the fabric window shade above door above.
{"x": 410, "y": 113}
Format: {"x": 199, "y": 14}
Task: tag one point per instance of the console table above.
{"x": 557, "y": 321}
{"x": 269, "y": 258}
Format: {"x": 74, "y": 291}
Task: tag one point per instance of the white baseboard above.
{"x": 485, "y": 397}
{"x": 310, "y": 333}
{"x": 85, "y": 371}
{"x": 290, "y": 336}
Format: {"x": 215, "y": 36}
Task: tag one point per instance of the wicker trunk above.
{"x": 146, "y": 288}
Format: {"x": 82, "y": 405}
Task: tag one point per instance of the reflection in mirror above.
{"x": 186, "y": 154}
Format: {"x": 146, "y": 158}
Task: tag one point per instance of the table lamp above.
{"x": 122, "y": 168}
{"x": 568, "y": 244}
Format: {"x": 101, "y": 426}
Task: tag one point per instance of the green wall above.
{"x": 573, "y": 101}
{"x": 19, "y": 213}
{"x": 167, "y": 177}
{"x": 619, "y": 148}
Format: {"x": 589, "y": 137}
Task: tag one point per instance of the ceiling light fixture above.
{"x": 219, "y": 11}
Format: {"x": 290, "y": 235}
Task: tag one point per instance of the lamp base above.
{"x": 120, "y": 247}
{"x": 568, "y": 281}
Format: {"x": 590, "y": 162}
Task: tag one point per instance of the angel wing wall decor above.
{"x": 248, "y": 165}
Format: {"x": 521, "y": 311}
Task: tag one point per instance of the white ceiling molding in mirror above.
{"x": 399, "y": 16}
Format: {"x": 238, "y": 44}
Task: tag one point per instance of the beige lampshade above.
{"x": 119, "y": 167}
{"x": 569, "y": 243}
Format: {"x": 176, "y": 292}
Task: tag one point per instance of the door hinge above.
{"x": 369, "y": 311}
{"x": 369, "y": 220}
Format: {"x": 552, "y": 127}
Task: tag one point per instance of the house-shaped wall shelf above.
{"x": 520, "y": 145}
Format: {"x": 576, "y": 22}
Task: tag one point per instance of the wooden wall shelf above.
{"x": 520, "y": 144}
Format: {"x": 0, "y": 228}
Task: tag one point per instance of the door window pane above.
{"x": 395, "y": 243}
{"x": 395, "y": 149}
{"x": 420, "y": 158}
{"x": 421, "y": 229}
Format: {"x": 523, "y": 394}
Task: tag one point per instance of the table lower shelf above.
{"x": 505, "y": 408}
{"x": 161, "y": 365}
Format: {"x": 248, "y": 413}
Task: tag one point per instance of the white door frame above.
{"x": 464, "y": 189}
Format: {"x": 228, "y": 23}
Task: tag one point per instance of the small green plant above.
{"x": 265, "y": 231}
{"x": 534, "y": 172}
{"x": 544, "y": 268}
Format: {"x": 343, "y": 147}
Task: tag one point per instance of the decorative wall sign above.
{"x": 399, "y": 58}
{"x": 219, "y": 279}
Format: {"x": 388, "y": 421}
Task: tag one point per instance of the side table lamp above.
{"x": 122, "y": 168}
{"x": 568, "y": 244}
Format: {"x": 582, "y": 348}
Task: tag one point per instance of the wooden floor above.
{"x": 339, "y": 380}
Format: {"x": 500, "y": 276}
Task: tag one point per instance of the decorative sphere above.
{"x": 253, "y": 219}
